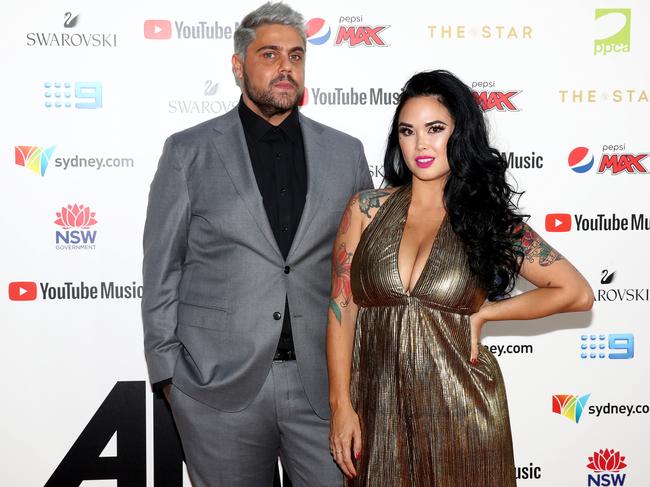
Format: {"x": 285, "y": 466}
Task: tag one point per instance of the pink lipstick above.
{"x": 424, "y": 161}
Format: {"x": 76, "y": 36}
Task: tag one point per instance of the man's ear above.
{"x": 237, "y": 67}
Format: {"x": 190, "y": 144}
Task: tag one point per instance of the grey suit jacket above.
{"x": 213, "y": 273}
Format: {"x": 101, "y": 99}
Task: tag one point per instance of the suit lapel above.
{"x": 315, "y": 157}
{"x": 230, "y": 144}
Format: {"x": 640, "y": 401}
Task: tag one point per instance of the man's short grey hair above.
{"x": 269, "y": 13}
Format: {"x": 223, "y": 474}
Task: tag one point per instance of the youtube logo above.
{"x": 22, "y": 291}
{"x": 157, "y": 29}
{"x": 558, "y": 222}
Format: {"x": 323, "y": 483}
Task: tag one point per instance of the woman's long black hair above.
{"x": 478, "y": 199}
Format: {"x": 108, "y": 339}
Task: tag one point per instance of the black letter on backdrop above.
{"x": 167, "y": 451}
{"x": 123, "y": 411}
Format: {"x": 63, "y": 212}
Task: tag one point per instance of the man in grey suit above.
{"x": 242, "y": 215}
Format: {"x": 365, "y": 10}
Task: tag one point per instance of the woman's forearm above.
{"x": 340, "y": 342}
{"x": 539, "y": 303}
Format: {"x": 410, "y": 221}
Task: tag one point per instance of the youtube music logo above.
{"x": 558, "y": 222}
{"x": 157, "y": 29}
{"x": 22, "y": 291}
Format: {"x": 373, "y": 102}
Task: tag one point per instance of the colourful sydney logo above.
{"x": 570, "y": 406}
{"x": 75, "y": 216}
{"x": 34, "y": 158}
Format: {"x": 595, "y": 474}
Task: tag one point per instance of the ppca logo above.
{"x": 613, "y": 27}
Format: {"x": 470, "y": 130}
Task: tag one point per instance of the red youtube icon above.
{"x": 22, "y": 291}
{"x": 558, "y": 222}
{"x": 157, "y": 29}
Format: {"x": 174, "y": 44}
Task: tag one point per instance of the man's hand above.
{"x": 167, "y": 390}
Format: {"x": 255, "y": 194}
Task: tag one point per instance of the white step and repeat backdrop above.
{"x": 91, "y": 92}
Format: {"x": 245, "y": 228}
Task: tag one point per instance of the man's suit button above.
{"x": 277, "y": 315}
{"x": 287, "y": 269}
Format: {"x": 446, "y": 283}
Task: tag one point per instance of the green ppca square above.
{"x": 619, "y": 41}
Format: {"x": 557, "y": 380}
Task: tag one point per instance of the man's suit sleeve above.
{"x": 363, "y": 179}
{"x": 164, "y": 244}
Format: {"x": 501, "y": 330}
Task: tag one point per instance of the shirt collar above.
{"x": 256, "y": 127}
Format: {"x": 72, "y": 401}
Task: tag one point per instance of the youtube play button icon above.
{"x": 157, "y": 29}
{"x": 558, "y": 222}
{"x": 22, "y": 291}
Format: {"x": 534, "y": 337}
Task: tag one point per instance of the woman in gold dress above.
{"x": 418, "y": 268}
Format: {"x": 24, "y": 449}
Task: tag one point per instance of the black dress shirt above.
{"x": 278, "y": 158}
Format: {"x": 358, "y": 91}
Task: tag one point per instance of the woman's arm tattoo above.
{"x": 532, "y": 247}
{"x": 341, "y": 287}
{"x": 370, "y": 199}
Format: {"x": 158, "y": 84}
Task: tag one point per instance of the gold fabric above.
{"x": 428, "y": 417}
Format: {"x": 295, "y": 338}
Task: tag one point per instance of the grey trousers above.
{"x": 241, "y": 449}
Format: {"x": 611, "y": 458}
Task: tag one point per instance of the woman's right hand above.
{"x": 345, "y": 438}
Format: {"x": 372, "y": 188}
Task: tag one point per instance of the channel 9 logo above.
{"x": 82, "y": 94}
{"x": 615, "y": 346}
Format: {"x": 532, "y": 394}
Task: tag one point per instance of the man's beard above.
{"x": 268, "y": 104}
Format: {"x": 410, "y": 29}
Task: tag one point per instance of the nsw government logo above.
{"x": 75, "y": 222}
{"x": 605, "y": 466}
{"x": 613, "y": 26}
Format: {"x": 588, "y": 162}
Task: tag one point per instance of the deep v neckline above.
{"x": 434, "y": 243}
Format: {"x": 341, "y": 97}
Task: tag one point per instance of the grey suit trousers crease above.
{"x": 241, "y": 449}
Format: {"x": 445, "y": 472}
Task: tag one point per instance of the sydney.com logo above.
{"x": 38, "y": 159}
{"x": 572, "y": 407}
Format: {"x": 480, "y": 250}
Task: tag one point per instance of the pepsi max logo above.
{"x": 581, "y": 159}
{"x": 318, "y": 32}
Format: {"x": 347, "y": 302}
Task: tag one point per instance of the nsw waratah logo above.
{"x": 606, "y": 465}
{"x": 318, "y": 32}
{"x": 570, "y": 406}
{"x": 76, "y": 222}
{"x": 581, "y": 159}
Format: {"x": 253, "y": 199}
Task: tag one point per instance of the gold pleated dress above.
{"x": 428, "y": 417}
